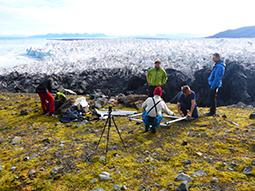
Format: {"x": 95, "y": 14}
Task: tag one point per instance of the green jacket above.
{"x": 156, "y": 77}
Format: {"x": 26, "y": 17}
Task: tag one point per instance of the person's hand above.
{"x": 189, "y": 116}
{"x": 162, "y": 85}
{"x": 149, "y": 84}
{"x": 182, "y": 115}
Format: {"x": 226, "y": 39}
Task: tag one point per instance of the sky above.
{"x": 123, "y": 17}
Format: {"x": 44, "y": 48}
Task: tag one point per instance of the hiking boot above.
{"x": 52, "y": 113}
{"x": 210, "y": 114}
{"x": 44, "y": 112}
{"x": 153, "y": 129}
{"x": 146, "y": 129}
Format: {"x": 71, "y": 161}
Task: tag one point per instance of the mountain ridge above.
{"x": 102, "y": 35}
{"x": 243, "y": 32}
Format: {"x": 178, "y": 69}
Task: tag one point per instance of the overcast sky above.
{"x": 124, "y": 17}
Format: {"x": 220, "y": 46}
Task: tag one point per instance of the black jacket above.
{"x": 44, "y": 87}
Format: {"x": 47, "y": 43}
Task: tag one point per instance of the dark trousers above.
{"x": 151, "y": 90}
{"x": 184, "y": 109}
{"x": 213, "y": 102}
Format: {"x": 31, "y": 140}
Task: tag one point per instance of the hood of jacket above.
{"x": 220, "y": 62}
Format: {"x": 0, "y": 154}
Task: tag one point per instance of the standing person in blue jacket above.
{"x": 215, "y": 81}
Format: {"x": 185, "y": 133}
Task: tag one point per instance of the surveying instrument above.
{"x": 108, "y": 122}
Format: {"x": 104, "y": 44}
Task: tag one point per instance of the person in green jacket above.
{"x": 156, "y": 77}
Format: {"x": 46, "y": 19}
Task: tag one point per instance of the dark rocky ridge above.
{"x": 238, "y": 83}
{"x": 243, "y": 32}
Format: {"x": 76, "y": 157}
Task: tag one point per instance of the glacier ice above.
{"x": 13, "y": 51}
{"x": 187, "y": 55}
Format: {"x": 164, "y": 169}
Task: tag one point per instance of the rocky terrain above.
{"x": 238, "y": 83}
{"x": 37, "y": 153}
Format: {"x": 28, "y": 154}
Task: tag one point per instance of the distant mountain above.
{"x": 170, "y": 36}
{"x": 65, "y": 35}
{"x": 69, "y": 36}
{"x": 244, "y": 32}
{"x": 100, "y": 35}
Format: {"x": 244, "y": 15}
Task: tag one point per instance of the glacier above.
{"x": 187, "y": 55}
{"x": 13, "y": 51}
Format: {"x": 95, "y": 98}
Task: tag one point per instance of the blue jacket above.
{"x": 215, "y": 79}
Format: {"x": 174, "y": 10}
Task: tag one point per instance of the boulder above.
{"x": 23, "y": 112}
{"x": 215, "y": 180}
{"x": 252, "y": 115}
{"x": 238, "y": 83}
{"x": 248, "y": 170}
{"x": 63, "y": 108}
{"x": 184, "y": 177}
{"x": 2, "y": 140}
{"x": 199, "y": 173}
{"x": 15, "y": 140}
{"x": 134, "y": 100}
{"x": 101, "y": 102}
{"x": 176, "y": 79}
{"x": 104, "y": 176}
{"x": 57, "y": 170}
{"x": 184, "y": 186}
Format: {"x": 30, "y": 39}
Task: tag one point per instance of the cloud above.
{"x": 37, "y": 3}
{"x": 123, "y": 17}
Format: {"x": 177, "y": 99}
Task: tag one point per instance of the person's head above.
{"x": 158, "y": 91}
{"x": 186, "y": 90}
{"x": 216, "y": 57}
{"x": 157, "y": 63}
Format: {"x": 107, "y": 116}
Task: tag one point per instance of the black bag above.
{"x": 151, "y": 119}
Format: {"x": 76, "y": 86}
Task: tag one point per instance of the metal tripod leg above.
{"x": 102, "y": 133}
{"x": 119, "y": 134}
{"x": 108, "y": 133}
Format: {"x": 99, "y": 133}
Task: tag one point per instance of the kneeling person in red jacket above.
{"x": 44, "y": 92}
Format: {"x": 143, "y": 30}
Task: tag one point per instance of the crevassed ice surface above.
{"x": 187, "y": 55}
{"x": 13, "y": 51}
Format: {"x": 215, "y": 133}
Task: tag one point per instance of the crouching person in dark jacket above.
{"x": 44, "y": 92}
{"x": 152, "y": 115}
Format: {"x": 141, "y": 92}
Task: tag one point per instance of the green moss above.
{"x": 159, "y": 164}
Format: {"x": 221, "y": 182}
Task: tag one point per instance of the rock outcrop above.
{"x": 238, "y": 83}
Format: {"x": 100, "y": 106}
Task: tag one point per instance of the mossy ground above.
{"x": 150, "y": 160}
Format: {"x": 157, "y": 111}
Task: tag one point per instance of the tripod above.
{"x": 108, "y": 121}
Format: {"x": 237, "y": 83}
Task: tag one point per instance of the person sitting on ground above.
{"x": 44, "y": 91}
{"x": 153, "y": 107}
{"x": 187, "y": 101}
